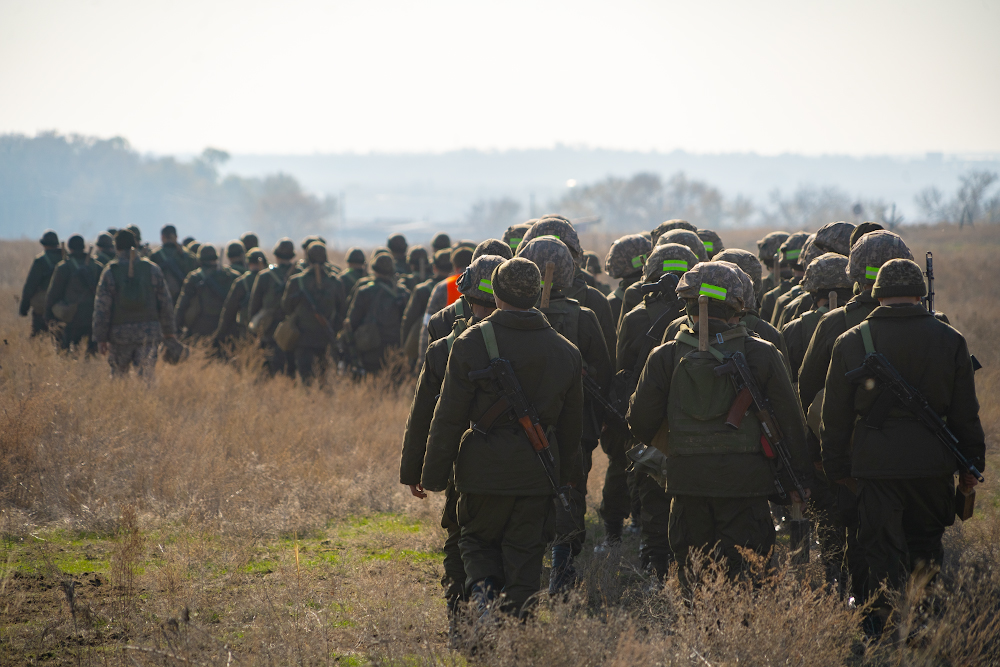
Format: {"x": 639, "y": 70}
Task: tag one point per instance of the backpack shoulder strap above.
{"x": 866, "y": 336}
{"x": 459, "y": 309}
{"x": 490, "y": 338}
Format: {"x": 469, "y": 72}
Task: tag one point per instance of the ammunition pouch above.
{"x": 286, "y": 335}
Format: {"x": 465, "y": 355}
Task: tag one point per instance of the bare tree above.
{"x": 493, "y": 216}
{"x": 971, "y": 204}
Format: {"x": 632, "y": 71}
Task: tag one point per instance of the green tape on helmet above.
{"x": 709, "y": 246}
{"x": 486, "y": 286}
{"x": 514, "y": 243}
{"x": 638, "y": 261}
{"x": 871, "y": 272}
{"x": 675, "y": 265}
{"x": 793, "y": 254}
{"x": 713, "y": 291}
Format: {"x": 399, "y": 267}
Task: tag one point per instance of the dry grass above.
{"x": 215, "y": 518}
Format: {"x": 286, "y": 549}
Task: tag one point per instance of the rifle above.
{"x": 877, "y": 367}
{"x": 929, "y": 299}
{"x": 514, "y": 400}
{"x": 593, "y": 390}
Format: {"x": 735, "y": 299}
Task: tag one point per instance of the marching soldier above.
{"x": 202, "y": 295}
{"x": 789, "y": 270}
{"x": 71, "y": 293}
{"x": 374, "y": 316}
{"x": 236, "y": 310}
{"x": 36, "y": 285}
{"x": 175, "y": 261}
{"x": 767, "y": 248}
{"x": 625, "y": 262}
{"x": 265, "y": 306}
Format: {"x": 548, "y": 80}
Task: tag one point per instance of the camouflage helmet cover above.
{"x": 515, "y": 234}
{"x": 834, "y": 237}
{"x": 719, "y": 281}
{"x": 665, "y": 227}
{"x": 396, "y": 244}
{"x": 749, "y": 297}
{"x": 747, "y": 262}
{"x": 591, "y": 262}
{"x": 768, "y": 246}
{"x": 316, "y": 253}
{"x": 810, "y": 251}
{"x": 476, "y": 282}
{"x": 712, "y": 242}
{"x": 862, "y": 229}
{"x": 207, "y": 253}
{"x": 899, "y": 277}
{"x": 235, "y": 249}
{"x": 415, "y": 255}
{"x": 791, "y": 247}
{"x": 104, "y": 241}
{"x": 872, "y": 251}
{"x": 668, "y": 258}
{"x": 442, "y": 259}
{"x": 826, "y": 272}
{"x": 383, "y": 264}
{"x": 256, "y": 255}
{"x": 685, "y": 237}
{"x": 284, "y": 248}
{"x": 493, "y": 247}
{"x": 544, "y": 249}
{"x": 627, "y": 256}
{"x": 249, "y": 240}
{"x": 560, "y": 228}
{"x": 440, "y": 240}
{"x": 355, "y": 256}
{"x": 517, "y": 282}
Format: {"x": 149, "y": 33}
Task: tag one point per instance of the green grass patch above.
{"x": 408, "y": 555}
{"x": 381, "y": 523}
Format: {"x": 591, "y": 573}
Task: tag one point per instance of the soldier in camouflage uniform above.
{"x": 625, "y": 261}
{"x": 413, "y": 316}
{"x": 767, "y": 248}
{"x": 904, "y": 476}
{"x": 834, "y": 237}
{"x": 105, "y": 248}
{"x": 790, "y": 272}
{"x": 72, "y": 290}
{"x": 236, "y": 254}
{"x": 579, "y": 326}
{"x": 175, "y": 262}
{"x": 397, "y": 246}
{"x": 581, "y": 289}
{"x": 203, "y": 294}
{"x": 718, "y": 477}
{"x": 712, "y": 242}
{"x": 375, "y": 314}
{"x": 670, "y": 225}
{"x": 505, "y": 507}
{"x": 265, "y": 306}
{"x": 515, "y": 233}
{"x": 356, "y": 270}
{"x": 37, "y": 283}
{"x": 444, "y": 295}
{"x": 315, "y": 303}
{"x": 133, "y": 312}
{"x": 477, "y": 288}
{"x": 235, "y": 315}
{"x": 639, "y": 334}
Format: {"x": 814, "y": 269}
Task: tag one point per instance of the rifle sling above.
{"x": 495, "y": 412}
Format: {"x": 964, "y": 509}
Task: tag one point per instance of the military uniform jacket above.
{"x": 380, "y": 302}
{"x": 812, "y": 372}
{"x": 442, "y": 322}
{"x": 413, "y": 316}
{"x": 592, "y": 298}
{"x": 350, "y": 278}
{"x": 797, "y": 335}
{"x": 74, "y": 282}
{"x": 719, "y": 475}
{"x": 236, "y": 310}
{"x": 176, "y": 263}
{"x": 329, "y": 300}
{"x": 634, "y": 344}
{"x": 802, "y": 303}
{"x": 38, "y": 278}
{"x": 205, "y": 291}
{"x": 931, "y": 356}
{"x": 770, "y": 298}
{"x": 502, "y": 462}
{"x": 617, "y": 298}
{"x": 268, "y": 288}
{"x": 159, "y": 321}
{"x": 784, "y": 300}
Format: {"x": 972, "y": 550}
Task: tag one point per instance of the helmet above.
{"x": 749, "y": 264}
{"x": 493, "y": 247}
{"x": 668, "y": 258}
{"x": 665, "y": 227}
{"x": 711, "y": 241}
{"x": 384, "y": 265}
{"x": 284, "y": 249}
{"x": 768, "y": 246}
{"x": 872, "y": 251}
{"x": 442, "y": 259}
{"x": 591, "y": 262}
{"x": 355, "y": 256}
{"x": 256, "y": 255}
{"x": 561, "y": 229}
{"x": 791, "y": 247}
{"x": 719, "y": 281}
{"x": 104, "y": 241}
{"x": 440, "y": 240}
{"x": 415, "y": 255}
{"x": 249, "y": 240}
{"x": 545, "y": 249}
{"x": 862, "y": 229}
{"x": 316, "y": 254}
{"x": 475, "y": 283}
{"x": 235, "y": 249}
{"x": 49, "y": 238}
{"x": 207, "y": 253}
{"x": 685, "y": 237}
{"x": 749, "y": 298}
{"x": 627, "y": 256}
{"x": 75, "y": 242}
{"x": 515, "y": 233}
{"x": 397, "y": 244}
{"x": 834, "y": 237}
{"x": 826, "y": 272}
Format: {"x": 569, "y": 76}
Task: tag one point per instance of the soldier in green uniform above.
{"x": 249, "y": 240}
{"x": 441, "y": 241}
{"x": 236, "y": 254}
{"x": 515, "y": 233}
{"x": 476, "y": 287}
{"x": 834, "y": 237}
{"x": 418, "y": 268}
{"x": 442, "y": 301}
{"x": 105, "y": 248}
{"x": 315, "y": 304}
{"x": 397, "y": 246}
{"x": 827, "y": 273}
{"x": 175, "y": 261}
{"x": 640, "y": 332}
{"x": 712, "y": 242}
{"x": 579, "y": 326}
{"x": 132, "y": 311}
{"x": 904, "y": 475}
{"x": 505, "y": 508}
{"x": 235, "y": 315}
{"x": 203, "y": 294}
{"x": 790, "y": 272}
{"x": 374, "y": 316}
{"x": 767, "y": 248}
{"x": 592, "y": 265}
{"x": 413, "y": 315}
{"x": 625, "y": 261}
{"x": 719, "y": 477}
{"x": 36, "y": 285}
{"x": 71, "y": 293}
{"x": 670, "y": 225}
{"x": 265, "y": 306}
{"x": 356, "y": 270}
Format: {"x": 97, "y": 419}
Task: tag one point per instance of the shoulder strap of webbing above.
{"x": 688, "y": 339}
{"x": 490, "y": 338}
{"x": 459, "y": 309}
{"x": 866, "y": 336}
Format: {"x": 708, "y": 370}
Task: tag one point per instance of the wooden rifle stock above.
{"x": 739, "y": 408}
{"x": 703, "y": 323}
{"x": 550, "y": 269}
{"x": 832, "y": 305}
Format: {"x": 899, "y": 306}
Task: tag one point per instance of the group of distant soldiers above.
{"x": 726, "y": 401}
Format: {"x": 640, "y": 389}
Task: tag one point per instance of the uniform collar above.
{"x": 515, "y": 319}
{"x": 900, "y": 310}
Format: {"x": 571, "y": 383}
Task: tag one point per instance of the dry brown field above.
{"x": 216, "y": 518}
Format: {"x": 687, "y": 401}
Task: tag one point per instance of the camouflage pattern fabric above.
{"x": 627, "y": 256}
{"x": 873, "y": 250}
{"x": 546, "y": 249}
{"x": 684, "y": 237}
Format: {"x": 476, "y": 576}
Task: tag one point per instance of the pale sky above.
{"x": 848, "y": 77}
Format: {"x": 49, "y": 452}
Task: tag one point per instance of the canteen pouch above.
{"x": 286, "y": 335}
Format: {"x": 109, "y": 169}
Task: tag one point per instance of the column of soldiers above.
{"x": 653, "y": 372}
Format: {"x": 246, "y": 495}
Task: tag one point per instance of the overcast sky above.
{"x": 859, "y": 78}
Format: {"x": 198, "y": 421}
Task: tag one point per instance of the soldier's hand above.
{"x": 418, "y": 491}
{"x": 967, "y": 480}
{"x": 103, "y": 348}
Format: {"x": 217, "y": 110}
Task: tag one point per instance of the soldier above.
{"x": 304, "y": 265}
{"x": 416, "y": 261}
{"x": 581, "y": 289}
{"x": 105, "y": 248}
{"x": 833, "y": 237}
{"x": 718, "y": 477}
{"x": 397, "y": 246}
{"x": 315, "y": 304}
{"x": 36, "y": 285}
{"x": 235, "y": 315}
{"x": 515, "y": 233}
{"x": 132, "y": 311}
{"x": 356, "y": 270}
{"x": 625, "y": 262}
{"x": 441, "y": 241}
{"x": 823, "y": 275}
{"x": 236, "y": 254}
{"x": 505, "y": 507}
{"x": 374, "y": 316}
{"x": 640, "y": 332}
{"x": 413, "y": 316}
{"x": 444, "y": 294}
{"x": 175, "y": 262}
{"x": 142, "y": 248}
{"x": 265, "y": 307}
{"x": 789, "y": 270}
{"x": 579, "y": 326}
{"x": 903, "y": 474}
{"x": 670, "y": 225}
{"x": 712, "y": 242}
{"x": 70, "y": 297}
{"x": 592, "y": 265}
{"x": 193, "y": 246}
{"x": 681, "y": 235}
{"x": 249, "y": 240}
{"x": 767, "y": 248}
{"x": 203, "y": 294}
{"x": 477, "y": 288}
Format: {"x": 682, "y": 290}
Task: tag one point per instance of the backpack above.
{"x": 135, "y": 300}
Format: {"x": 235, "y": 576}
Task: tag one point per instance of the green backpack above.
{"x": 135, "y": 300}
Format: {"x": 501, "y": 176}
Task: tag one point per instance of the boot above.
{"x": 563, "y": 573}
